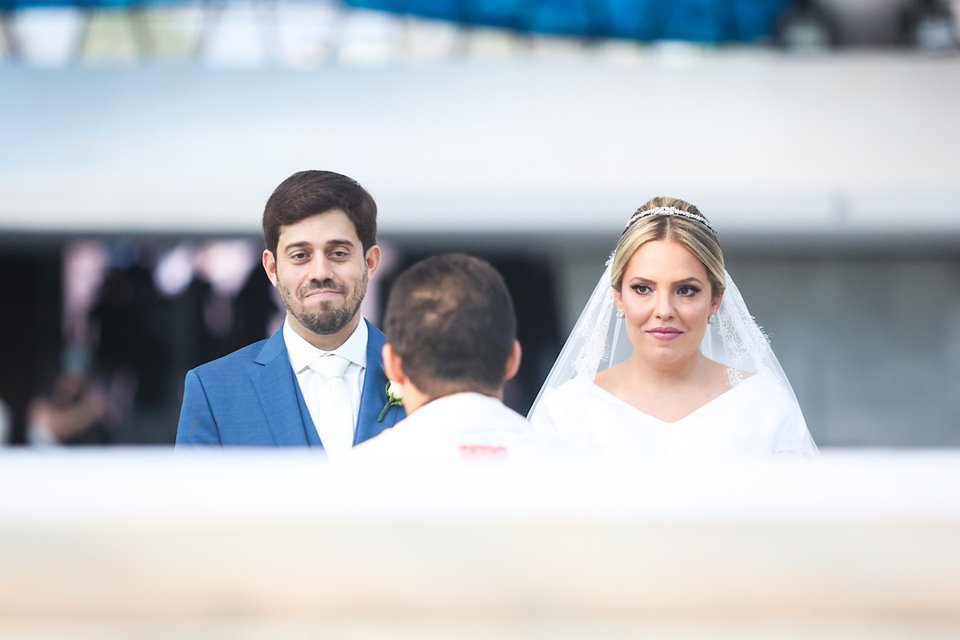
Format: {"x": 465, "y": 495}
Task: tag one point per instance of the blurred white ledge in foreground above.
{"x": 851, "y": 544}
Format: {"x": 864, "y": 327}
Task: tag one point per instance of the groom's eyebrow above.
{"x": 302, "y": 244}
{"x": 338, "y": 243}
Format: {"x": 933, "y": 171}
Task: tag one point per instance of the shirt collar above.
{"x": 302, "y": 353}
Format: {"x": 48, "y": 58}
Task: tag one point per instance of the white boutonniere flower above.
{"x": 394, "y": 399}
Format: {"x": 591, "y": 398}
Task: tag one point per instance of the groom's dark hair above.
{"x": 307, "y": 193}
{"x": 451, "y": 320}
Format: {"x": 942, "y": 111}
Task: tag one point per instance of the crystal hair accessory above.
{"x": 670, "y": 211}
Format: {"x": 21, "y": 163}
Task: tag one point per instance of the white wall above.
{"x": 762, "y": 142}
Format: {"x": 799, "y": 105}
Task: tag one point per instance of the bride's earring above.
{"x": 620, "y": 314}
{"x": 711, "y": 318}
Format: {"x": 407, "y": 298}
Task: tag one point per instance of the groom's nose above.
{"x": 322, "y": 268}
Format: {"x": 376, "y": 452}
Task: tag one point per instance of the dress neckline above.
{"x": 614, "y": 398}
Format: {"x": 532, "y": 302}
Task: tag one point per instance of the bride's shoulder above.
{"x": 569, "y": 394}
{"x": 575, "y": 385}
{"x": 758, "y": 384}
{"x": 562, "y": 405}
{"x": 767, "y": 400}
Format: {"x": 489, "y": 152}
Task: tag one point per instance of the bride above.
{"x": 665, "y": 361}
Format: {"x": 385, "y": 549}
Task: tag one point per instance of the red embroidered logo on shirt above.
{"x": 472, "y": 450}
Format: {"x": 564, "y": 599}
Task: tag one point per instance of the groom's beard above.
{"x": 330, "y": 317}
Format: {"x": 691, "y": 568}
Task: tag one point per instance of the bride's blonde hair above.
{"x": 670, "y": 219}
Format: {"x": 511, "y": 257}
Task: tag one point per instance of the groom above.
{"x": 319, "y": 380}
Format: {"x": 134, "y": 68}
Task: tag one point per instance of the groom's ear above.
{"x": 270, "y": 265}
{"x": 372, "y": 259}
{"x": 393, "y": 365}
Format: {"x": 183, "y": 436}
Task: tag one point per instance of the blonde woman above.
{"x": 665, "y": 361}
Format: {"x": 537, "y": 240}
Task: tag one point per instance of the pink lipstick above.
{"x": 665, "y": 333}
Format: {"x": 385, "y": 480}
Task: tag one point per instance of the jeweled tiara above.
{"x": 670, "y": 211}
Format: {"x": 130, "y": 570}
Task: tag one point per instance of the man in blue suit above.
{"x": 319, "y": 381}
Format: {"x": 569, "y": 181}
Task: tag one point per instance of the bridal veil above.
{"x": 599, "y": 341}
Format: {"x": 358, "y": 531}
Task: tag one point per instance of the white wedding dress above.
{"x": 755, "y": 418}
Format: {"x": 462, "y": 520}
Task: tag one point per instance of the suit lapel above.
{"x": 279, "y": 395}
{"x": 373, "y": 396}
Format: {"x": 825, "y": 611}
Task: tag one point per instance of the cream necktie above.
{"x": 335, "y": 409}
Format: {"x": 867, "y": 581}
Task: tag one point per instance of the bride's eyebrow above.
{"x": 690, "y": 280}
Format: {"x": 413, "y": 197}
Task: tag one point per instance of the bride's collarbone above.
{"x": 667, "y": 399}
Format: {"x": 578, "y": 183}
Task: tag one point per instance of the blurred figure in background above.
{"x": 451, "y": 345}
{"x": 131, "y": 342}
{"x": 74, "y": 411}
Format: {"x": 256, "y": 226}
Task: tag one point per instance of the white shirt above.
{"x": 457, "y": 427}
{"x": 302, "y": 353}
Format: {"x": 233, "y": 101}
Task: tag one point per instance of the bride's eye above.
{"x": 641, "y": 288}
{"x": 687, "y": 290}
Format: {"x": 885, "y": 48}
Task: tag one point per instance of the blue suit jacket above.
{"x": 251, "y": 397}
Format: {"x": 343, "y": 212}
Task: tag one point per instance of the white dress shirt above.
{"x": 302, "y": 353}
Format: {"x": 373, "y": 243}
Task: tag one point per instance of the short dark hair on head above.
{"x": 451, "y": 320}
{"x": 308, "y": 193}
